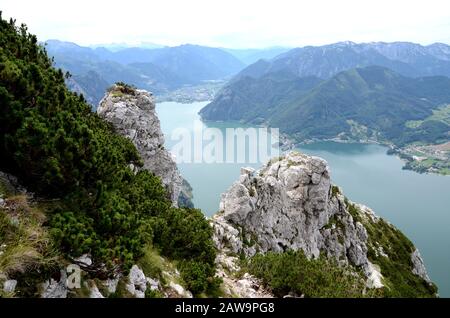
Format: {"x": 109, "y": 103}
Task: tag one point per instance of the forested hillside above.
{"x": 80, "y": 172}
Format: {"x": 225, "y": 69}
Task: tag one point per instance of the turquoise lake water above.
{"x": 417, "y": 204}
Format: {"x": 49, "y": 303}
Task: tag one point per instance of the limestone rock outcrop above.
{"x": 418, "y": 266}
{"x": 133, "y": 116}
{"x": 291, "y": 204}
{"x": 137, "y": 282}
{"x": 55, "y": 288}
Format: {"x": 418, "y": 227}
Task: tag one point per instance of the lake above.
{"x": 417, "y": 204}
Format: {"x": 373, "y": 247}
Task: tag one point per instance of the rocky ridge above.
{"x": 133, "y": 116}
{"x": 291, "y": 204}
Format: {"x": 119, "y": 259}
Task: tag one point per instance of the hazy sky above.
{"x": 234, "y": 23}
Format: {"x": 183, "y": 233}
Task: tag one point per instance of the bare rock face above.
{"x": 133, "y": 116}
{"x": 418, "y": 266}
{"x": 291, "y": 204}
{"x": 286, "y": 205}
{"x": 55, "y": 289}
{"x": 137, "y": 284}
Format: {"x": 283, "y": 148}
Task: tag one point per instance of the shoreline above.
{"x": 410, "y": 163}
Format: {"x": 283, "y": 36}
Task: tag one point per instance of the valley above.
{"x": 193, "y": 93}
{"x": 207, "y": 171}
{"x": 416, "y": 203}
{"x": 368, "y": 92}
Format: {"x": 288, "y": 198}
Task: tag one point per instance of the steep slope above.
{"x": 160, "y": 70}
{"x": 254, "y": 100}
{"x": 291, "y": 205}
{"x": 196, "y": 63}
{"x": 348, "y": 106}
{"x": 372, "y": 102}
{"x": 426, "y": 60}
{"x": 326, "y": 62}
{"x": 91, "y": 207}
{"x": 91, "y": 85}
{"x": 133, "y": 116}
{"x": 192, "y": 63}
{"x": 323, "y": 61}
{"x": 250, "y": 56}
{"x": 373, "y": 98}
{"x": 406, "y": 58}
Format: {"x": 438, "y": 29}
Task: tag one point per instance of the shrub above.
{"x": 397, "y": 267}
{"x": 185, "y": 235}
{"x": 149, "y": 293}
{"x": 52, "y": 141}
{"x": 121, "y": 88}
{"x": 26, "y": 252}
{"x": 335, "y": 191}
{"x": 293, "y": 272}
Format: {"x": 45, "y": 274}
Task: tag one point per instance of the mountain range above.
{"x": 250, "y": 56}
{"x": 343, "y": 90}
{"x": 406, "y": 58}
{"x": 159, "y": 69}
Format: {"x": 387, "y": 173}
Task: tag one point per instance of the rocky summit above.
{"x": 132, "y": 113}
{"x": 291, "y": 204}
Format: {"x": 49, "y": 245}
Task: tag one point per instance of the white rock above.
{"x": 111, "y": 284}
{"x": 84, "y": 260}
{"x": 294, "y": 209}
{"x": 177, "y": 288}
{"x": 137, "y": 282}
{"x": 419, "y": 266}
{"x": 55, "y": 289}
{"x": 154, "y": 284}
{"x": 287, "y": 205}
{"x": 134, "y": 117}
{"x": 9, "y": 286}
{"x": 95, "y": 293}
{"x": 180, "y": 290}
{"x": 374, "y": 277}
{"x": 247, "y": 171}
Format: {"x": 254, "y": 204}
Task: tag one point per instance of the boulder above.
{"x": 137, "y": 282}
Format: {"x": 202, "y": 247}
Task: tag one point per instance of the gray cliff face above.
{"x": 419, "y": 266}
{"x": 134, "y": 117}
{"x": 290, "y": 204}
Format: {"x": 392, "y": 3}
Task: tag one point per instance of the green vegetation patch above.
{"x": 389, "y": 248}
{"x": 293, "y": 272}
{"x": 441, "y": 114}
{"x": 59, "y": 149}
{"x": 335, "y": 191}
{"x": 122, "y": 89}
{"x": 27, "y": 251}
{"x": 353, "y": 210}
{"x": 429, "y": 164}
